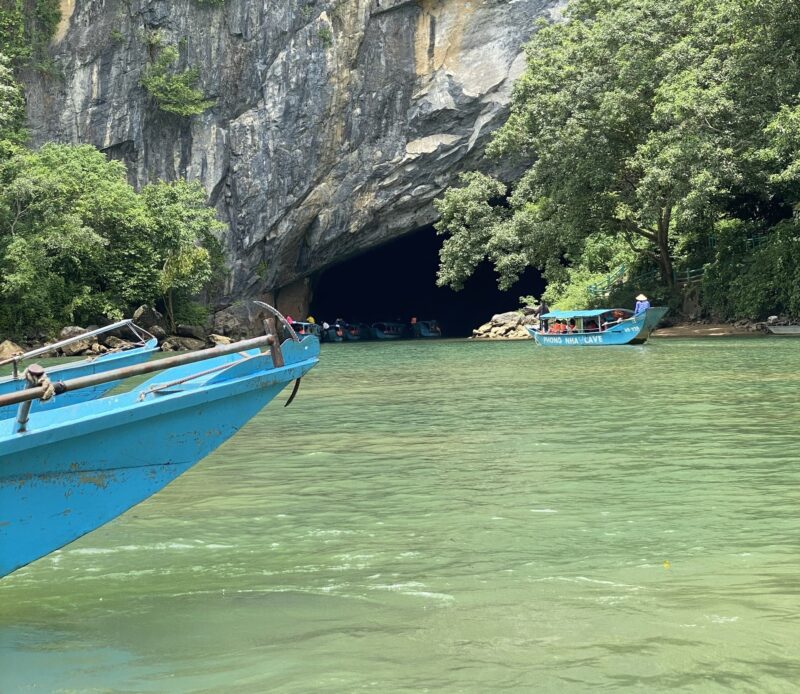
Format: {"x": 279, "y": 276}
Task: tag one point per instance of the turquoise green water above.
{"x": 454, "y": 517}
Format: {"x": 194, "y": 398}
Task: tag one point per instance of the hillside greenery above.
{"x": 664, "y": 137}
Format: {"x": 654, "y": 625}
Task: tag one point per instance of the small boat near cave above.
{"x": 388, "y": 330}
{"x": 65, "y": 472}
{"x": 426, "y": 329}
{"x": 605, "y": 326}
{"x": 302, "y": 329}
{"x": 356, "y": 332}
{"x": 144, "y": 346}
{"x": 785, "y": 330}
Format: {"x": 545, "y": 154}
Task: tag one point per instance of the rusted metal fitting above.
{"x": 275, "y": 350}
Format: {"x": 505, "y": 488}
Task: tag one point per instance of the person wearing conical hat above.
{"x": 642, "y": 304}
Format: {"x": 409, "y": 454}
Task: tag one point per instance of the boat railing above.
{"x": 42, "y": 388}
{"x": 141, "y": 335}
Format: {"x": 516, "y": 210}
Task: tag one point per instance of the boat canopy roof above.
{"x": 593, "y": 313}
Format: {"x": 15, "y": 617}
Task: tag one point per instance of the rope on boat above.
{"x": 35, "y": 376}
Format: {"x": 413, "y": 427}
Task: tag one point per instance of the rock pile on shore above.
{"x": 505, "y": 326}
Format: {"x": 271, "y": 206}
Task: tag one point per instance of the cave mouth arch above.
{"x": 398, "y": 280}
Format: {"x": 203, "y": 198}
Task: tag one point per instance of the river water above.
{"x": 454, "y": 517}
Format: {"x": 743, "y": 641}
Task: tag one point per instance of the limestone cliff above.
{"x": 334, "y": 124}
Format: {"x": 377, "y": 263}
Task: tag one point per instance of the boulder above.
{"x": 512, "y": 317}
{"x": 175, "y": 343}
{"x": 9, "y": 349}
{"x": 78, "y": 347}
{"x": 157, "y": 332}
{"x": 240, "y": 320}
{"x": 198, "y": 332}
{"x": 118, "y": 343}
{"x": 215, "y": 339}
{"x": 148, "y": 318}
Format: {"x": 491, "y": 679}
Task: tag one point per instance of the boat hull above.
{"x": 631, "y": 332}
{"x": 78, "y": 369}
{"x": 786, "y": 330}
{"x": 80, "y": 467}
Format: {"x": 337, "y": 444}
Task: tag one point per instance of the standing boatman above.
{"x": 541, "y": 309}
{"x": 642, "y": 304}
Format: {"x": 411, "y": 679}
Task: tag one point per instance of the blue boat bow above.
{"x": 77, "y": 467}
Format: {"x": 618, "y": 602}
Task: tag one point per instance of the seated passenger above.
{"x": 590, "y": 326}
{"x": 572, "y": 327}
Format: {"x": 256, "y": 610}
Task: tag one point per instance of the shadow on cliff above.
{"x": 398, "y": 280}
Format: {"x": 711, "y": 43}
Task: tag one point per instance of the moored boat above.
{"x": 302, "y": 329}
{"x": 333, "y": 333}
{"x": 388, "y": 330}
{"x": 67, "y": 471}
{"x": 144, "y": 347}
{"x": 355, "y": 332}
{"x": 596, "y": 327}
{"x": 787, "y": 330}
{"x": 426, "y": 329}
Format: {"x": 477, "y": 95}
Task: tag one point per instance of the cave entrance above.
{"x": 398, "y": 281}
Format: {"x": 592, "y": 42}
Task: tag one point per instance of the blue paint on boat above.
{"x": 633, "y": 330}
{"x": 78, "y": 467}
{"x": 77, "y": 369}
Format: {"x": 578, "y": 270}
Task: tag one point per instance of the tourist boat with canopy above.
{"x": 144, "y": 345}
{"x": 66, "y": 471}
{"x": 604, "y": 326}
{"x": 388, "y": 331}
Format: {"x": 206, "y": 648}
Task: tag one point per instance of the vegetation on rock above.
{"x": 174, "y": 92}
{"x": 658, "y": 136}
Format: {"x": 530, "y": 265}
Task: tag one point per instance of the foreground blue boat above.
{"x": 605, "y": 326}
{"x": 67, "y": 471}
{"x": 147, "y": 345}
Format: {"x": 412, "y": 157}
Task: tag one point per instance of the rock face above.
{"x": 505, "y": 326}
{"x": 334, "y": 126}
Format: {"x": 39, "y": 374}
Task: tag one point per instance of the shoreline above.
{"x": 707, "y": 330}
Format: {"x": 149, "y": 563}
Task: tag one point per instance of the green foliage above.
{"x": 77, "y": 243}
{"x": 647, "y": 122}
{"x": 746, "y": 282}
{"x": 27, "y": 27}
{"x": 325, "y": 35}
{"x": 467, "y": 216}
{"x": 174, "y": 92}
{"x": 12, "y": 108}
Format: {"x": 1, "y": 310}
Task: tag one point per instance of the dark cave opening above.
{"x": 398, "y": 281}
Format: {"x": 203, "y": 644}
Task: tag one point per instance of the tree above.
{"x": 647, "y": 122}
{"x": 183, "y": 231}
{"x": 78, "y": 244}
{"x": 12, "y": 109}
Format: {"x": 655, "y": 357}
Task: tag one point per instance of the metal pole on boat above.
{"x": 127, "y": 322}
{"x": 35, "y": 374}
{"x": 140, "y": 369}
